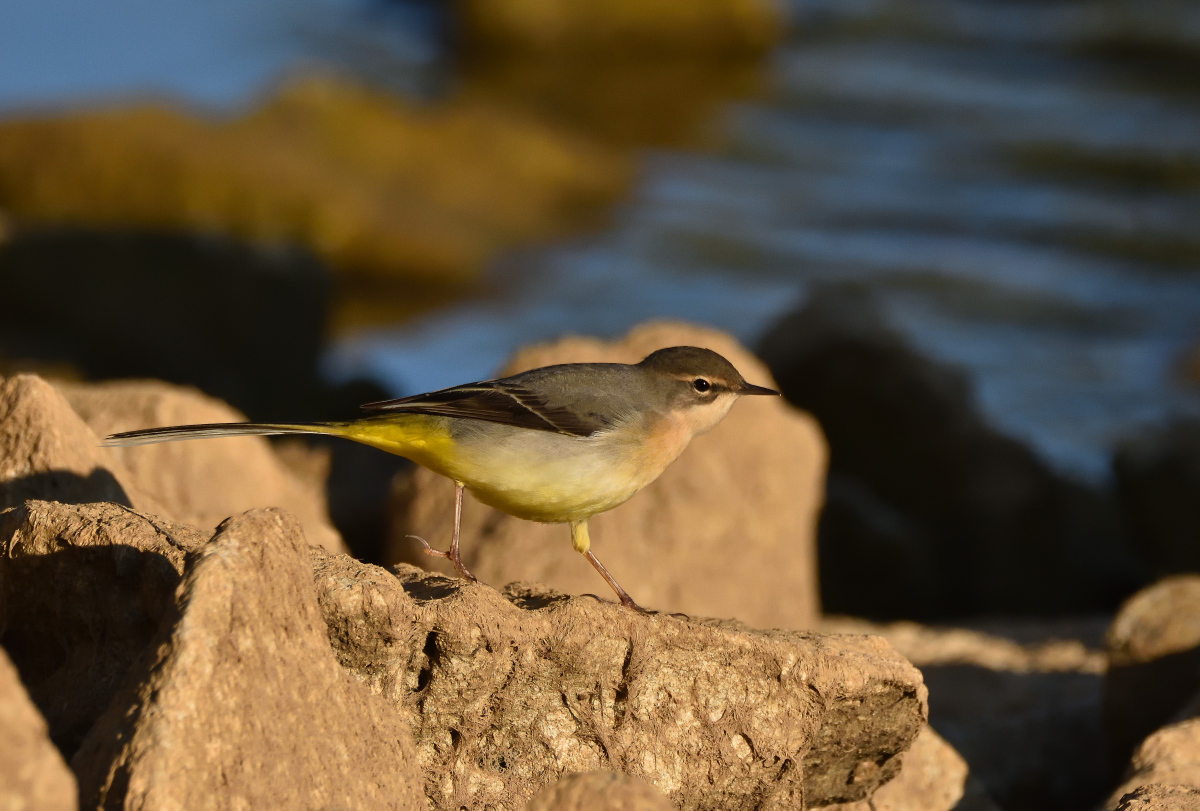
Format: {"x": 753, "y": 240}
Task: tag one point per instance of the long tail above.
{"x": 148, "y": 436}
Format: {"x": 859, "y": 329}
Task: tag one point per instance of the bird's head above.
{"x": 699, "y": 385}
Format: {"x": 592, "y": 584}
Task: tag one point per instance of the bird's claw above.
{"x": 450, "y": 556}
{"x": 429, "y": 550}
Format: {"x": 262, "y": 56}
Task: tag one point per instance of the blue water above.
{"x": 215, "y": 54}
{"x": 887, "y": 153}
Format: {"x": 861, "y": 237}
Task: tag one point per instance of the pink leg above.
{"x": 626, "y": 600}
{"x": 453, "y": 555}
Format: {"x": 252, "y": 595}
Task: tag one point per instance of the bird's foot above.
{"x": 627, "y": 602}
{"x": 454, "y": 559}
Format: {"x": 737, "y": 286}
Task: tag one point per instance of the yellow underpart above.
{"x": 424, "y": 439}
{"x": 535, "y": 475}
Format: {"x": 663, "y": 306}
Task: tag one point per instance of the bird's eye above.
{"x": 701, "y": 385}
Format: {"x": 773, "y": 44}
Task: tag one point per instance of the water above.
{"x": 217, "y": 54}
{"x": 1019, "y": 183}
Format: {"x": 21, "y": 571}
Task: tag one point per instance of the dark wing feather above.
{"x": 497, "y": 401}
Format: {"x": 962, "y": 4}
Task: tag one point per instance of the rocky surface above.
{"x": 203, "y": 482}
{"x": 727, "y": 530}
{"x": 1154, "y": 662}
{"x": 599, "y": 791}
{"x": 1158, "y": 480}
{"x": 931, "y": 512}
{"x": 48, "y": 452}
{"x": 658, "y": 27}
{"x": 241, "y": 703}
{"x": 1164, "y": 771}
{"x": 1021, "y": 701}
{"x": 374, "y": 186}
{"x": 33, "y": 776}
{"x": 183, "y": 662}
{"x": 83, "y": 591}
{"x": 508, "y": 695}
{"x": 1158, "y": 797}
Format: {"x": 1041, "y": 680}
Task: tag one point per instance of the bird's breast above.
{"x": 653, "y": 450}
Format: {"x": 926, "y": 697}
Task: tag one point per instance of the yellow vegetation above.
{"x": 376, "y": 186}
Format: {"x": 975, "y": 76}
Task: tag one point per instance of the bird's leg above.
{"x": 626, "y": 600}
{"x": 453, "y": 555}
{"x": 582, "y": 543}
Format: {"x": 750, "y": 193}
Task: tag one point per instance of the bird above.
{"x": 557, "y": 444}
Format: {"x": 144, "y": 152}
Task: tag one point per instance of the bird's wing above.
{"x": 499, "y": 401}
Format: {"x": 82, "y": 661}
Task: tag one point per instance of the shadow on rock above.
{"x": 84, "y": 590}
{"x": 65, "y": 487}
{"x": 32, "y": 772}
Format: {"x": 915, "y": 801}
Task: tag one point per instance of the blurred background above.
{"x": 963, "y": 233}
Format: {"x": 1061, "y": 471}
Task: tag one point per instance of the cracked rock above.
{"x": 508, "y": 693}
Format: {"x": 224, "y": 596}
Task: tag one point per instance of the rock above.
{"x": 48, "y": 452}
{"x": 83, "y": 590}
{"x": 33, "y": 776}
{"x": 1158, "y": 797}
{"x": 242, "y": 692}
{"x": 600, "y": 791}
{"x": 649, "y": 27}
{"x": 933, "y": 777}
{"x": 727, "y": 530}
{"x": 1020, "y": 702}
{"x": 508, "y": 695}
{"x": 1019, "y": 646}
{"x": 199, "y": 483}
{"x": 375, "y": 187}
{"x": 931, "y": 512}
{"x": 1158, "y": 481}
{"x": 1154, "y": 662}
{"x": 1164, "y": 772}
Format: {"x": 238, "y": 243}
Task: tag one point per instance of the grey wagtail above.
{"x": 557, "y": 444}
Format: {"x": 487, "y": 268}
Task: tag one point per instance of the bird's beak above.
{"x": 747, "y": 388}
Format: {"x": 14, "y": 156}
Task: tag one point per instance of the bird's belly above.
{"x": 548, "y": 477}
{"x": 553, "y": 498}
